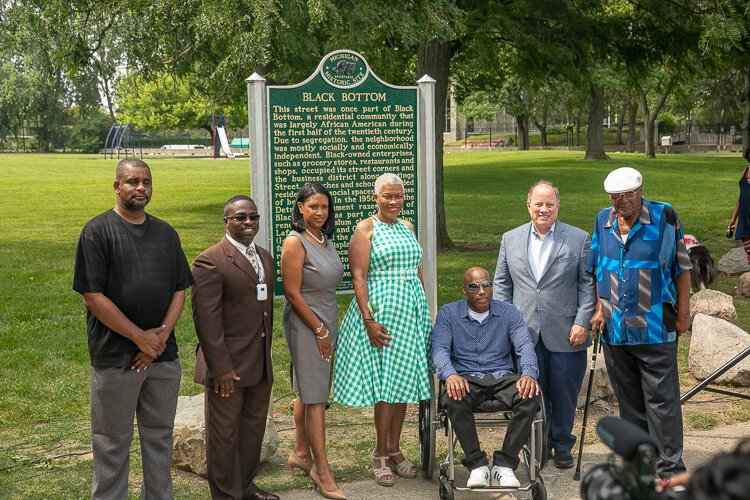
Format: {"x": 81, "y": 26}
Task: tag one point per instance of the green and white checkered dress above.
{"x": 364, "y": 375}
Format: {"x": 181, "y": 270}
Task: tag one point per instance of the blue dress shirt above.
{"x": 461, "y": 345}
{"x": 540, "y": 250}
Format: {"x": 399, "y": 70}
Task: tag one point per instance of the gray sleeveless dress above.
{"x": 321, "y": 274}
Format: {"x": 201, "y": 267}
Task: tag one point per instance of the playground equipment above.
{"x": 218, "y": 125}
{"x": 124, "y": 139}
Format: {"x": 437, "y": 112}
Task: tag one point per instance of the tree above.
{"x": 434, "y": 31}
{"x": 660, "y": 50}
{"x": 725, "y": 37}
{"x": 35, "y": 40}
{"x": 162, "y": 103}
{"x": 660, "y": 82}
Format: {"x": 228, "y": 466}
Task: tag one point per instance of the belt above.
{"x": 393, "y": 275}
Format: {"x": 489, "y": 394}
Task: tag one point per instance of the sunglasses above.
{"x": 242, "y": 217}
{"x": 474, "y": 287}
{"x": 630, "y": 196}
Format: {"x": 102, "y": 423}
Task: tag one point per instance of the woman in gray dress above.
{"x": 311, "y": 270}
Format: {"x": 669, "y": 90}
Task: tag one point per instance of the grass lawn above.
{"x": 46, "y": 199}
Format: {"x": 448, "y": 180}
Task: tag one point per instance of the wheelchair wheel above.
{"x": 538, "y": 490}
{"x": 446, "y": 490}
{"x": 541, "y": 441}
{"x": 427, "y": 431}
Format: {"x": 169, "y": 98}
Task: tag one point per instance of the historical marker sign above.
{"x": 342, "y": 127}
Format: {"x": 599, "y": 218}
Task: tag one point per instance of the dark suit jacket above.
{"x": 234, "y": 328}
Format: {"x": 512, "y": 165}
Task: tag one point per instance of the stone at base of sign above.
{"x": 713, "y": 343}
{"x": 189, "y": 448}
{"x": 713, "y": 303}
{"x": 743, "y": 285}
{"x": 733, "y": 262}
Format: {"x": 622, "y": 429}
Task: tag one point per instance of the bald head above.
{"x": 129, "y": 163}
{"x": 477, "y": 289}
{"x": 476, "y": 274}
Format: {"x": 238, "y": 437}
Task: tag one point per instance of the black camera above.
{"x": 636, "y": 479}
{"x": 730, "y": 232}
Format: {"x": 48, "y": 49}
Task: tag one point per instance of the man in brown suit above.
{"x": 233, "y": 314}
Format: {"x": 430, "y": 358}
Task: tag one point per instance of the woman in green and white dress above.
{"x": 384, "y": 339}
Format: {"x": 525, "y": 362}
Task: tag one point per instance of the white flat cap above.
{"x": 622, "y": 180}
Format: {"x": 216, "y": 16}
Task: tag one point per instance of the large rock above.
{"x": 743, "y": 285}
{"x": 189, "y": 448}
{"x": 713, "y": 303}
{"x": 601, "y": 388}
{"x": 713, "y": 343}
{"x": 733, "y": 262}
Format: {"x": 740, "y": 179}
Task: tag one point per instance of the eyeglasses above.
{"x": 242, "y": 217}
{"x": 629, "y": 195}
{"x": 474, "y": 287}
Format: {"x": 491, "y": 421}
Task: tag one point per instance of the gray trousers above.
{"x": 116, "y": 395}
{"x": 647, "y": 386}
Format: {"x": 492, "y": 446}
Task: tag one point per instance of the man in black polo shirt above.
{"x": 132, "y": 274}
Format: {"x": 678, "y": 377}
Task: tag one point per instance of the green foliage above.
{"x": 667, "y": 123}
{"x": 88, "y": 132}
{"x": 163, "y": 103}
{"x": 480, "y": 106}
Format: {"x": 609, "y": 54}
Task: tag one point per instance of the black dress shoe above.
{"x": 563, "y": 459}
{"x": 260, "y": 495}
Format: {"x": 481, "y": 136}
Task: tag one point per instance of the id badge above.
{"x": 262, "y": 291}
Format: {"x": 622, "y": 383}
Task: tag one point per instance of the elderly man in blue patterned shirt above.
{"x": 641, "y": 264}
{"x": 472, "y": 344}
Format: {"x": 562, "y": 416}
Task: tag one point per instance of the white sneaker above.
{"x": 504, "y": 477}
{"x": 479, "y": 478}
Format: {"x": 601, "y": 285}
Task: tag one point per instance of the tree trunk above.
{"x": 649, "y": 117}
{"x": 595, "y": 133}
{"x": 542, "y": 133}
{"x": 620, "y": 120}
{"x": 632, "y": 116}
{"x": 522, "y": 122}
{"x": 434, "y": 59}
{"x": 746, "y": 109}
{"x": 541, "y": 123}
{"x": 648, "y": 127}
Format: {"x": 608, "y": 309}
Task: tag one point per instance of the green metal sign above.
{"x": 343, "y": 127}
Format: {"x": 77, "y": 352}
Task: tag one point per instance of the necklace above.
{"x": 322, "y": 239}
{"x": 389, "y": 223}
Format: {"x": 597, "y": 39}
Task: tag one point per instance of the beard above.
{"x": 135, "y": 204}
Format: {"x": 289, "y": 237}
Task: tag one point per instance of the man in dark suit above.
{"x": 541, "y": 270}
{"x": 233, "y": 314}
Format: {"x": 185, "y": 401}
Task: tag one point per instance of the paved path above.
{"x": 699, "y": 447}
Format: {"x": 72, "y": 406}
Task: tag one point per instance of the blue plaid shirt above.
{"x": 635, "y": 278}
{"x": 461, "y": 345}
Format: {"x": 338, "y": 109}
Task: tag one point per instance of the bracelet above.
{"x": 324, "y": 336}
{"x": 319, "y": 329}
{"x": 367, "y": 319}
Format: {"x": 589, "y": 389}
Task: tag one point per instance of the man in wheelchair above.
{"x": 472, "y": 349}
